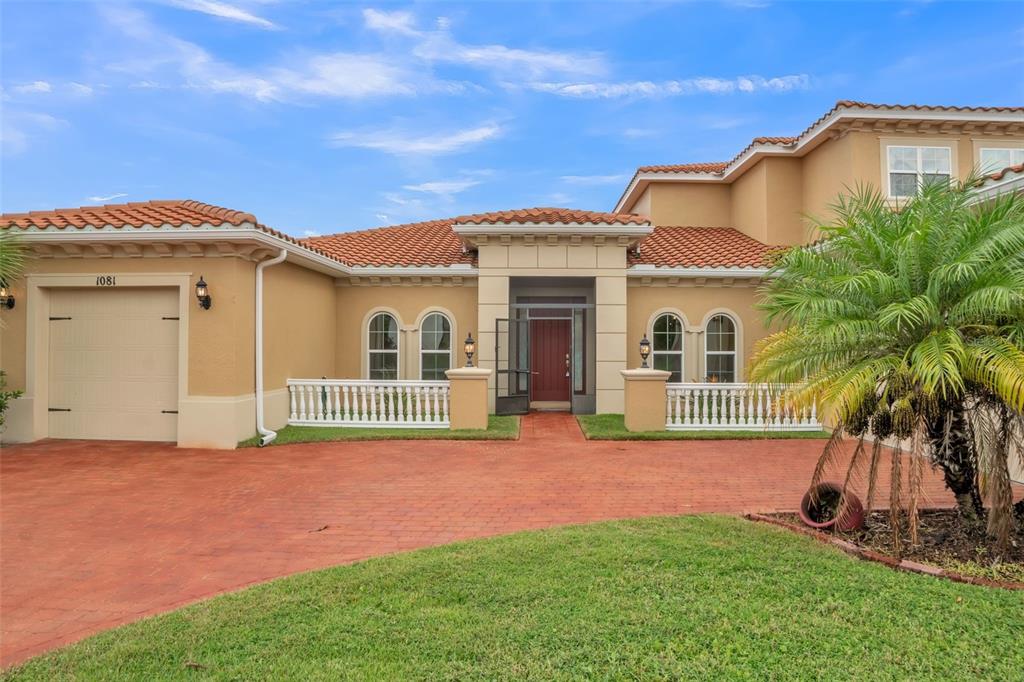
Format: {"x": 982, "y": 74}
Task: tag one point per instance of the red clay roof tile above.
{"x": 707, "y": 167}
{"x": 701, "y": 247}
{"x": 1019, "y": 168}
{"x": 169, "y": 212}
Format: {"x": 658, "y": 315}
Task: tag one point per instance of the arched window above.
{"x": 720, "y": 349}
{"x": 383, "y": 347}
{"x": 435, "y": 347}
{"x": 667, "y": 345}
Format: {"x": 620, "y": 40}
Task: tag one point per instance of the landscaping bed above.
{"x": 696, "y": 597}
{"x": 498, "y": 428}
{"x": 943, "y": 542}
{"x": 613, "y": 427}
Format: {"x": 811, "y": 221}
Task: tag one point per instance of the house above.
{"x": 165, "y": 320}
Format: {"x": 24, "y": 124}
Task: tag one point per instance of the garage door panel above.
{"x": 114, "y": 364}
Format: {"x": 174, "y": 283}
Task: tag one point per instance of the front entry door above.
{"x": 550, "y": 348}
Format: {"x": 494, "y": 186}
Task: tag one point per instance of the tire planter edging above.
{"x": 893, "y": 563}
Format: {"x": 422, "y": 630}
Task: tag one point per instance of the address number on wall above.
{"x": 106, "y": 281}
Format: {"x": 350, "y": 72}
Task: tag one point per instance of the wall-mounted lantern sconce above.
{"x": 203, "y": 294}
{"x": 6, "y": 296}
{"x": 645, "y": 352}
{"x": 470, "y": 348}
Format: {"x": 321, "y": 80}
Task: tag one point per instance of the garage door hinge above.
{"x": 168, "y": 412}
{"x": 59, "y": 318}
{"x": 58, "y": 409}
{"x": 170, "y": 318}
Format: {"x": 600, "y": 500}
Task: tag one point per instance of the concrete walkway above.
{"x": 93, "y": 535}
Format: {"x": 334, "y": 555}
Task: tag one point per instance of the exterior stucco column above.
{"x": 645, "y": 399}
{"x": 612, "y": 344}
{"x": 492, "y": 305}
{"x": 467, "y": 401}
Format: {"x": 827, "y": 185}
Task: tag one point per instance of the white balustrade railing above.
{"x": 734, "y": 407}
{"x": 368, "y": 403}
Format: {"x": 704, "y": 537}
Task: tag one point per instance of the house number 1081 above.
{"x": 106, "y": 281}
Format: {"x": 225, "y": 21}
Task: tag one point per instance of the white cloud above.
{"x": 639, "y": 132}
{"x": 673, "y": 88}
{"x": 18, "y": 129}
{"x": 33, "y": 87}
{"x": 592, "y": 179}
{"x": 109, "y": 197}
{"x": 390, "y": 22}
{"x": 443, "y": 187}
{"x": 223, "y": 10}
{"x": 383, "y": 217}
{"x": 439, "y": 46}
{"x": 401, "y": 143}
{"x": 80, "y": 89}
{"x": 312, "y": 233}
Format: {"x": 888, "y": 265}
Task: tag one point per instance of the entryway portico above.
{"x": 550, "y": 290}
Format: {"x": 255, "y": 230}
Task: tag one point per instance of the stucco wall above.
{"x": 695, "y": 305}
{"x": 299, "y": 324}
{"x": 356, "y": 304}
{"x": 696, "y": 204}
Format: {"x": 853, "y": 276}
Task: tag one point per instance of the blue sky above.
{"x": 323, "y": 117}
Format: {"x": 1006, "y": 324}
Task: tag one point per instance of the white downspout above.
{"x": 266, "y": 435}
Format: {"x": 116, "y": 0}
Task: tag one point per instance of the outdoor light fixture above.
{"x": 645, "y": 351}
{"x": 6, "y": 297}
{"x": 470, "y": 348}
{"x": 203, "y": 294}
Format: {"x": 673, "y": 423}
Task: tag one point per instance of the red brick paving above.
{"x": 99, "y": 534}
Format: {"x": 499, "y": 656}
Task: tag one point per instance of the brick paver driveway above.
{"x": 99, "y": 534}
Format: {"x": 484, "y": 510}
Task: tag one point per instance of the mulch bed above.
{"x": 945, "y": 549}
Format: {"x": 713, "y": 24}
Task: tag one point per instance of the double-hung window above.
{"x": 383, "y": 347}
{"x": 913, "y": 167}
{"x": 435, "y": 347}
{"x": 667, "y": 345}
{"x": 720, "y": 349}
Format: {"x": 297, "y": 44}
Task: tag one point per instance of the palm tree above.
{"x": 908, "y": 322}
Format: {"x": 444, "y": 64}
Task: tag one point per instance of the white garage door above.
{"x": 114, "y": 364}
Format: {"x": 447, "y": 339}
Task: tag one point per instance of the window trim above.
{"x": 398, "y": 344}
{"x": 889, "y": 144}
{"x": 737, "y": 351}
{"x": 682, "y": 340}
{"x": 451, "y": 340}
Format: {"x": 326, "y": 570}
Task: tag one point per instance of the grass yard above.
{"x": 669, "y": 598}
{"x": 613, "y": 427}
{"x": 498, "y": 428}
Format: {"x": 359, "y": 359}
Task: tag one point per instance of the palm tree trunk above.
{"x": 953, "y": 451}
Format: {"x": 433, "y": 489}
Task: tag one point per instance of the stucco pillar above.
{"x": 612, "y": 344}
{"x": 467, "y": 403}
{"x": 645, "y": 399}
{"x": 492, "y": 305}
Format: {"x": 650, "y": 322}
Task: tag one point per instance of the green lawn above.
{"x": 498, "y": 428}
{"x": 662, "y": 598}
{"x": 613, "y": 427}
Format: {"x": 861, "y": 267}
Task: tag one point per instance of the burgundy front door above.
{"x": 550, "y": 345}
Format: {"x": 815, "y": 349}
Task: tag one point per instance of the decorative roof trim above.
{"x": 1009, "y": 179}
{"x": 546, "y": 228}
{"x": 810, "y": 138}
{"x": 646, "y": 270}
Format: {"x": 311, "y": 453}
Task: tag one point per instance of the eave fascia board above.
{"x": 643, "y": 270}
{"x": 807, "y": 141}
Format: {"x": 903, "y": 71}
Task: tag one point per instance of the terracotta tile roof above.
{"x": 552, "y": 216}
{"x": 701, "y": 247}
{"x": 172, "y": 213}
{"x": 435, "y": 243}
{"x": 708, "y": 167}
{"x": 412, "y": 244}
{"x": 720, "y": 167}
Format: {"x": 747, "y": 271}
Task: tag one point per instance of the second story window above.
{"x": 993, "y": 160}
{"x": 913, "y": 167}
